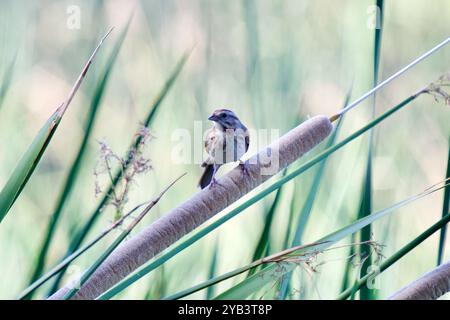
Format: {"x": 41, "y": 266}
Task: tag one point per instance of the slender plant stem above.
{"x": 445, "y": 210}
{"x": 392, "y": 77}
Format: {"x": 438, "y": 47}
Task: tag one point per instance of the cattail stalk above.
{"x": 430, "y": 286}
{"x": 203, "y": 206}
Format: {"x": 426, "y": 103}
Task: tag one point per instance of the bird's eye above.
{"x": 223, "y": 115}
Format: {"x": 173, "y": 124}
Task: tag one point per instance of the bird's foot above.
{"x": 245, "y": 167}
{"x": 213, "y": 183}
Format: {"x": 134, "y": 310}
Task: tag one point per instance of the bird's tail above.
{"x": 206, "y": 176}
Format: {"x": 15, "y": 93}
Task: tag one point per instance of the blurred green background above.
{"x": 274, "y": 63}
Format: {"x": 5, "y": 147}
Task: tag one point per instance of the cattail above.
{"x": 202, "y": 206}
{"x": 430, "y": 286}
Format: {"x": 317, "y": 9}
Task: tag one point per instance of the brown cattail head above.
{"x": 430, "y": 286}
{"x": 203, "y": 205}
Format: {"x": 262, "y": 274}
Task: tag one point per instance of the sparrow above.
{"x": 226, "y": 141}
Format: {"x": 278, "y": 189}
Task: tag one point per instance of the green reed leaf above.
{"x": 25, "y": 167}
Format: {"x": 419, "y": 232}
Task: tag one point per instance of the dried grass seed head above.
{"x": 438, "y": 90}
{"x": 135, "y": 164}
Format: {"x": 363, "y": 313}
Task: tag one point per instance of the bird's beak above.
{"x": 213, "y": 117}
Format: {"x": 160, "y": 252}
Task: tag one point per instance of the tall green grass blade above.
{"x": 354, "y": 287}
{"x": 277, "y": 267}
{"x": 397, "y": 256}
{"x": 27, "y": 164}
{"x": 307, "y": 207}
{"x": 377, "y": 41}
{"x": 7, "y": 81}
{"x": 284, "y": 286}
{"x": 264, "y": 239}
{"x": 366, "y": 233}
{"x": 445, "y": 211}
{"x": 291, "y": 217}
{"x": 154, "y": 107}
{"x": 366, "y": 199}
{"x": 88, "y": 273}
{"x": 346, "y": 280}
{"x": 158, "y": 287}
{"x": 253, "y": 70}
{"x": 25, "y": 168}
{"x": 260, "y": 195}
{"x": 74, "y": 170}
{"x": 212, "y": 270}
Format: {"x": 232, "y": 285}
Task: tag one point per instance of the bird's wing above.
{"x": 214, "y": 142}
{"x": 209, "y": 140}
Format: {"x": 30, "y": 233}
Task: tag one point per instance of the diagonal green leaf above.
{"x": 27, "y": 164}
{"x": 445, "y": 211}
{"x": 346, "y": 280}
{"x": 291, "y": 216}
{"x": 366, "y": 233}
{"x": 32, "y": 156}
{"x": 264, "y": 239}
{"x": 366, "y": 199}
{"x": 7, "y": 80}
{"x": 213, "y": 270}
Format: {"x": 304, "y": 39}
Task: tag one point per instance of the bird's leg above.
{"x": 245, "y": 167}
{"x": 214, "y": 182}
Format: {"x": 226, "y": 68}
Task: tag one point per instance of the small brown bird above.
{"x": 227, "y": 141}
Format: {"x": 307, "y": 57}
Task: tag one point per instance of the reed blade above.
{"x": 445, "y": 212}
{"x": 27, "y": 164}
